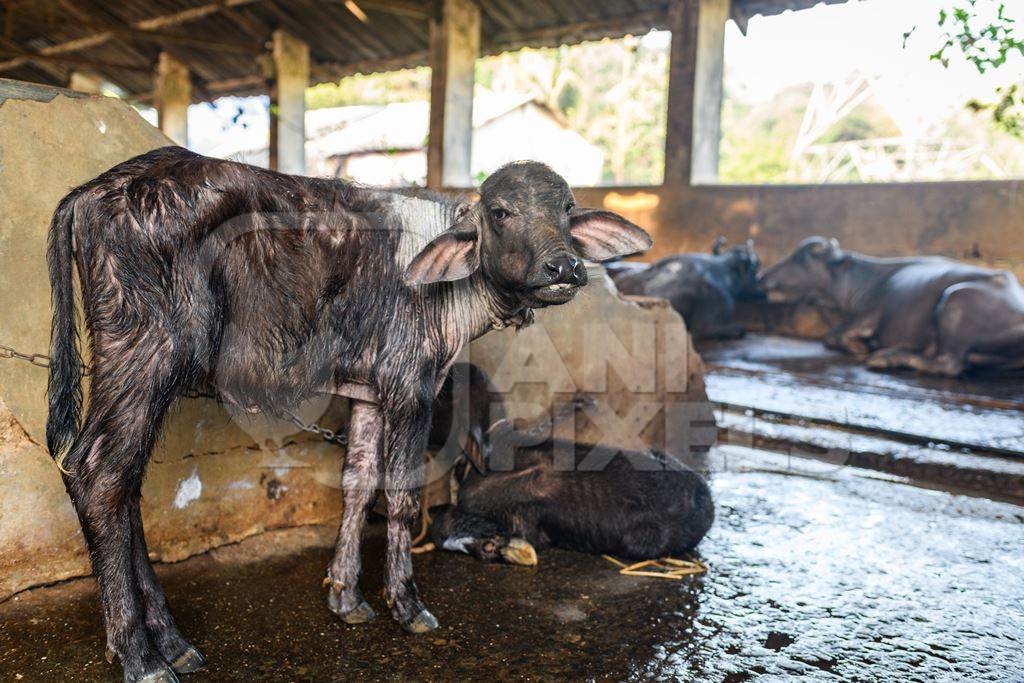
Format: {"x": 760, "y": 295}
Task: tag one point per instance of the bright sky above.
{"x": 826, "y": 42}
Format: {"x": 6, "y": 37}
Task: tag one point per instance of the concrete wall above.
{"x": 955, "y": 219}
{"x": 213, "y": 479}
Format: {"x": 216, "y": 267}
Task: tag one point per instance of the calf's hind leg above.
{"x": 178, "y": 652}
{"x": 359, "y": 484}
{"x": 105, "y": 467}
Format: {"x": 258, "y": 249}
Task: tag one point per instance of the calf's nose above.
{"x": 566, "y": 269}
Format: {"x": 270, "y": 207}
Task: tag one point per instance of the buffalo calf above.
{"x": 703, "y": 288}
{"x": 638, "y": 506}
{"x": 269, "y": 289}
{"x": 515, "y": 499}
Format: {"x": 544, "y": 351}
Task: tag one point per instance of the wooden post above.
{"x": 85, "y": 83}
{"x": 454, "y": 46}
{"x": 173, "y": 95}
{"x": 288, "y": 104}
{"x": 696, "y": 67}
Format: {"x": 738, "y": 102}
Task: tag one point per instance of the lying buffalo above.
{"x": 930, "y": 314}
{"x": 703, "y": 288}
{"x": 517, "y": 498}
{"x": 270, "y": 288}
{"x": 640, "y": 506}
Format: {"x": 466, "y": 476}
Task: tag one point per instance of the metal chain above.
{"x": 339, "y": 437}
{"x": 41, "y": 360}
{"x": 37, "y": 359}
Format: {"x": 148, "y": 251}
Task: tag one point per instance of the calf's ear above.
{"x": 600, "y": 235}
{"x": 452, "y": 255}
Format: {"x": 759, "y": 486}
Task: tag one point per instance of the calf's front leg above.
{"x": 406, "y": 429}
{"x": 360, "y": 478}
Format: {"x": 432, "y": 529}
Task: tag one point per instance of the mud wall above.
{"x": 213, "y": 479}
{"x": 981, "y": 222}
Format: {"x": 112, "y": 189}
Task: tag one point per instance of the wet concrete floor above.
{"x": 801, "y": 378}
{"x": 817, "y": 573}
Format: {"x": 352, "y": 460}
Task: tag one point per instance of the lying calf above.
{"x": 641, "y": 505}
{"x": 703, "y": 288}
{"x": 927, "y": 313}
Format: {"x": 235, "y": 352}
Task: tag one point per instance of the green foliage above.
{"x": 612, "y": 92}
{"x": 757, "y": 139}
{"x": 985, "y": 41}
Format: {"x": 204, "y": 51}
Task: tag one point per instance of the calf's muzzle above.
{"x": 566, "y": 269}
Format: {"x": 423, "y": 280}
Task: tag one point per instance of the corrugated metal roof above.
{"x": 224, "y": 42}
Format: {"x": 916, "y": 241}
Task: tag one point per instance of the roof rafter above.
{"x": 150, "y": 24}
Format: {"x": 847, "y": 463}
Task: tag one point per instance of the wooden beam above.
{"x": 87, "y": 19}
{"x": 87, "y": 83}
{"x": 332, "y": 71}
{"x": 150, "y": 24}
{"x": 682, "y": 70}
{"x": 695, "y": 90}
{"x": 707, "y": 91}
{"x": 288, "y": 103}
{"x": 549, "y": 36}
{"x": 23, "y": 57}
{"x": 241, "y": 83}
{"x": 173, "y": 95}
{"x": 59, "y": 73}
{"x": 405, "y": 8}
{"x": 454, "y": 47}
{"x": 177, "y": 39}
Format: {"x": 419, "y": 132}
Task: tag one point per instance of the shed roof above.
{"x": 224, "y": 42}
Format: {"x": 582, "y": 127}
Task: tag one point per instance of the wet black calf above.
{"x": 636, "y": 505}
{"x": 269, "y": 289}
{"x": 640, "y": 505}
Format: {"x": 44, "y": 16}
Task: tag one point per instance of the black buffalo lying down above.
{"x": 930, "y": 314}
{"x": 703, "y": 288}
{"x": 637, "y": 505}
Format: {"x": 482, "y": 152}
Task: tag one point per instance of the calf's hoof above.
{"x": 424, "y": 622}
{"x": 189, "y": 661}
{"x": 163, "y": 675}
{"x": 360, "y": 614}
{"x": 519, "y": 551}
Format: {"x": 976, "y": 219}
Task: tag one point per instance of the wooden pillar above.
{"x": 454, "y": 46}
{"x": 696, "y": 69}
{"x": 288, "y": 104}
{"x": 173, "y": 95}
{"x": 85, "y": 83}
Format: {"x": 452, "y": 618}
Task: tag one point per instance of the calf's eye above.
{"x": 569, "y": 207}
{"x": 499, "y": 214}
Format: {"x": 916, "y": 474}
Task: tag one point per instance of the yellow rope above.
{"x": 663, "y": 568}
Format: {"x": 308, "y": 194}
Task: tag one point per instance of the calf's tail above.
{"x": 64, "y": 390}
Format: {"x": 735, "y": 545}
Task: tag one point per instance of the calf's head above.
{"x": 527, "y": 238}
{"x": 744, "y": 263}
{"x": 806, "y": 274}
